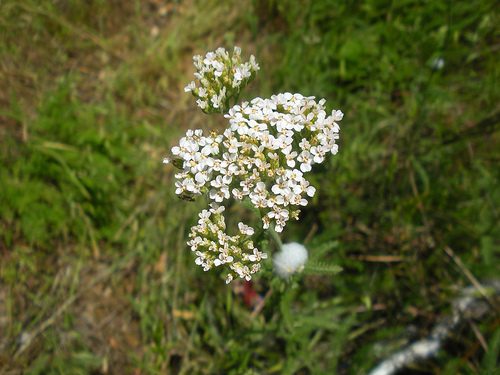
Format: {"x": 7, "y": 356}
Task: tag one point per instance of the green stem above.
{"x": 276, "y": 239}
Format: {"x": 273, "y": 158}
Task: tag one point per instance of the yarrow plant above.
{"x": 262, "y": 157}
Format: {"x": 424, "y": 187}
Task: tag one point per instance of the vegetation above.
{"x": 96, "y": 276}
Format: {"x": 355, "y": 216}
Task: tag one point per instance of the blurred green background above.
{"x": 96, "y": 277}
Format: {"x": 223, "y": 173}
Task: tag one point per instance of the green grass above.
{"x": 96, "y": 277}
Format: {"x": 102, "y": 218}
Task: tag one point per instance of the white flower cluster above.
{"x": 221, "y": 79}
{"x": 262, "y": 156}
{"x": 214, "y": 247}
{"x": 258, "y": 155}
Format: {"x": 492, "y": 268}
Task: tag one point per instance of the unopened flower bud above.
{"x": 290, "y": 260}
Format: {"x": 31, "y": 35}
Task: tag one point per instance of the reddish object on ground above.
{"x": 250, "y": 295}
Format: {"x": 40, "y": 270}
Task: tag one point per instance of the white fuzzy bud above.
{"x": 290, "y": 260}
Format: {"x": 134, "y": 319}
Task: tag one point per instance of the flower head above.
{"x": 221, "y": 78}
{"x": 263, "y": 160}
{"x": 214, "y": 247}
